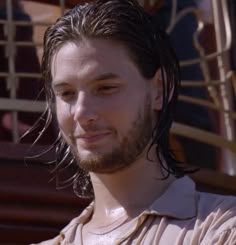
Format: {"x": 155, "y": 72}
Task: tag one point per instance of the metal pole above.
{"x": 62, "y": 4}
{"x": 11, "y": 52}
{"x": 223, "y": 41}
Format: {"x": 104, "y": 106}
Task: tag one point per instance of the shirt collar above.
{"x": 178, "y": 201}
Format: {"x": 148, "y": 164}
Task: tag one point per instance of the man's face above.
{"x": 103, "y": 104}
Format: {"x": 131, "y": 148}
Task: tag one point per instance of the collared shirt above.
{"x": 181, "y": 216}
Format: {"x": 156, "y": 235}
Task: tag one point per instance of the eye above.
{"x": 66, "y": 95}
{"x": 107, "y": 89}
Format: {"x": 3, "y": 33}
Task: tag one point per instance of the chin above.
{"x": 102, "y": 169}
{"x": 102, "y": 163}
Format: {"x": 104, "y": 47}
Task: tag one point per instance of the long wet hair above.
{"x": 147, "y": 45}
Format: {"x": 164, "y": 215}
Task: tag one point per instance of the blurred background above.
{"x": 203, "y": 133}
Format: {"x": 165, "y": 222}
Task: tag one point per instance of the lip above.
{"x": 92, "y": 137}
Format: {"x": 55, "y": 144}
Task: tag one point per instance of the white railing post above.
{"x": 11, "y": 79}
{"x": 223, "y": 41}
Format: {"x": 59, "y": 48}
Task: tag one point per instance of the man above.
{"x": 114, "y": 79}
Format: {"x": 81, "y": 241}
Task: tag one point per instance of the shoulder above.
{"x": 217, "y": 217}
{"x": 215, "y": 204}
{"x": 69, "y": 232}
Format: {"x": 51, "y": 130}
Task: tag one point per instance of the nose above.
{"x": 84, "y": 110}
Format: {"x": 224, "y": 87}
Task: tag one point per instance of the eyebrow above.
{"x": 101, "y": 77}
{"x": 105, "y": 76}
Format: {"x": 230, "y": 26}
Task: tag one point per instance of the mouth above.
{"x": 92, "y": 138}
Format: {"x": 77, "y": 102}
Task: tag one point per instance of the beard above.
{"x": 130, "y": 148}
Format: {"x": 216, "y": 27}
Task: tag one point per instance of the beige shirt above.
{"x": 181, "y": 216}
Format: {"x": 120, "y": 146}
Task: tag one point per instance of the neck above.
{"x": 129, "y": 191}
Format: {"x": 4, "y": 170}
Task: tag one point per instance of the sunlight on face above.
{"x": 122, "y": 156}
{"x": 103, "y": 104}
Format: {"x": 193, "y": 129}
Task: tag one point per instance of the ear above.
{"x": 157, "y": 90}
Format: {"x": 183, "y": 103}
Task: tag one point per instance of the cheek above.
{"x": 64, "y": 118}
{"x": 123, "y": 114}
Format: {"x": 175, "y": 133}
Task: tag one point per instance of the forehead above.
{"x": 89, "y": 57}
